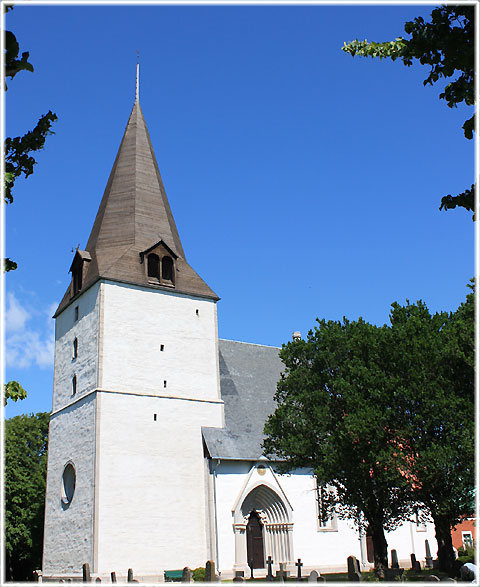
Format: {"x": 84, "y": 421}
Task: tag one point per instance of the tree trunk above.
{"x": 445, "y": 554}
{"x": 380, "y": 555}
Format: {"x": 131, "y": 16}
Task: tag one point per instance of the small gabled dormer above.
{"x": 160, "y": 264}
{"x": 78, "y": 270}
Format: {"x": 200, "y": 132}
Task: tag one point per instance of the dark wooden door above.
{"x": 255, "y": 551}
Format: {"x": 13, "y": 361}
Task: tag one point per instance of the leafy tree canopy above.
{"x": 384, "y": 416}
{"x": 447, "y": 46}
{"x": 14, "y": 391}
{"x": 25, "y": 450}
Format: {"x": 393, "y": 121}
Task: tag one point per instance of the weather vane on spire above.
{"x": 137, "y": 91}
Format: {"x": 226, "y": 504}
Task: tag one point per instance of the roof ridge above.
{"x": 270, "y": 346}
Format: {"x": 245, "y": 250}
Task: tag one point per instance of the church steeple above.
{"x": 134, "y": 219}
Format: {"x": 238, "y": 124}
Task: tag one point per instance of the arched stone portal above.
{"x": 275, "y": 517}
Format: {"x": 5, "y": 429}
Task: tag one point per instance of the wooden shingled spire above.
{"x": 134, "y": 215}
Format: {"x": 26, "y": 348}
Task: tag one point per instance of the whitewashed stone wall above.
{"x": 152, "y": 502}
{"x": 68, "y": 541}
{"x": 324, "y": 550}
{"x": 136, "y": 321}
{"x": 85, "y": 329}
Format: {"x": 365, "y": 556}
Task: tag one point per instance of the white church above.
{"x": 155, "y": 459}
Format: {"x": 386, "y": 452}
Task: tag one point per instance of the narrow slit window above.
{"x": 75, "y": 348}
{"x": 197, "y": 312}
{"x": 162, "y": 347}
{"x": 76, "y": 313}
{"x": 165, "y": 383}
{"x": 154, "y": 417}
{"x": 74, "y": 385}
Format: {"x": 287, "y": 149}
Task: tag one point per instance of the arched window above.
{"x": 153, "y": 266}
{"x": 167, "y": 269}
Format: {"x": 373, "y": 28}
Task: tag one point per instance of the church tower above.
{"x": 136, "y": 377}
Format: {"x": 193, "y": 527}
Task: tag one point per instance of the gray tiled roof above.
{"x": 248, "y": 380}
{"x": 134, "y": 214}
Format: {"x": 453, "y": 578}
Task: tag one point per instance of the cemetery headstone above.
{"x": 239, "y": 579}
{"x": 186, "y": 575}
{"x": 418, "y": 566}
{"x": 321, "y": 579}
{"x": 86, "y": 573}
{"x": 394, "y": 556}
{"x": 353, "y": 567}
{"x": 313, "y": 577}
{"x": 98, "y": 580}
{"x": 130, "y": 576}
{"x": 299, "y": 566}
{"x": 282, "y": 573}
{"x": 209, "y": 572}
{"x": 113, "y": 575}
{"x": 269, "y": 568}
{"x": 428, "y": 556}
{"x": 413, "y": 559}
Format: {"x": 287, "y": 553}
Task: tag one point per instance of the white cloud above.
{"x": 26, "y": 345}
{"x": 15, "y": 315}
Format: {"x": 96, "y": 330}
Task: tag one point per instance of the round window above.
{"x": 68, "y": 483}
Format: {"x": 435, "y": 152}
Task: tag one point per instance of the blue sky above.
{"x": 304, "y": 183}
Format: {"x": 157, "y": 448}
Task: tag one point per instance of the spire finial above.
{"x": 137, "y": 90}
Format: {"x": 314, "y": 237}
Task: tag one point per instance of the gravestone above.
{"x": 186, "y": 575}
{"x": 113, "y": 575}
{"x": 282, "y": 573}
{"x": 299, "y": 566}
{"x": 269, "y": 568}
{"x": 86, "y": 573}
{"x": 418, "y": 566}
{"x": 98, "y": 580}
{"x": 353, "y": 566}
{"x": 209, "y": 572}
{"x": 239, "y": 578}
{"x": 130, "y": 576}
{"x": 394, "y": 556}
{"x": 321, "y": 579}
{"x": 413, "y": 560}
{"x": 428, "y": 556}
{"x": 313, "y": 577}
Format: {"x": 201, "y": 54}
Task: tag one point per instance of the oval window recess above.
{"x": 261, "y": 469}
{"x": 68, "y": 484}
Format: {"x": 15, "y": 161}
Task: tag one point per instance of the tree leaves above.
{"x": 446, "y": 44}
{"x": 18, "y": 159}
{"x": 383, "y": 415}
{"x": 14, "y": 391}
{"x": 24, "y": 481}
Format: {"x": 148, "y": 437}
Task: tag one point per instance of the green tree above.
{"x": 18, "y": 158}
{"x": 14, "y": 391}
{"x": 25, "y": 451}
{"x": 433, "y": 362}
{"x": 336, "y": 414}
{"x": 447, "y": 46}
{"x": 385, "y": 417}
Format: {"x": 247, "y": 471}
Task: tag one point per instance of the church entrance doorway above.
{"x": 255, "y": 549}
